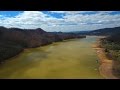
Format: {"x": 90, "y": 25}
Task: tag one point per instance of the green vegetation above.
{"x": 112, "y": 47}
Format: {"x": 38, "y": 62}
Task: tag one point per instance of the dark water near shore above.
{"x": 69, "y": 59}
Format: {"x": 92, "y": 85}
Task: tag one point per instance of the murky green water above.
{"x": 69, "y": 59}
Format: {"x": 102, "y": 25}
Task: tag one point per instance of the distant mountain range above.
{"x": 105, "y": 31}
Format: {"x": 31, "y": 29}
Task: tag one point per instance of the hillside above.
{"x": 105, "y": 31}
{"x": 99, "y": 32}
{"x": 14, "y": 40}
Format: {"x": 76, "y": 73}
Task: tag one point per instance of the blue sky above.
{"x": 60, "y": 20}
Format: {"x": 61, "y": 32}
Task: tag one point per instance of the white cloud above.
{"x": 73, "y": 20}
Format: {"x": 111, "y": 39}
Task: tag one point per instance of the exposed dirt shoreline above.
{"x": 107, "y": 67}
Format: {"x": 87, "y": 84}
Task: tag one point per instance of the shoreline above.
{"x": 107, "y": 66}
{"x": 25, "y": 49}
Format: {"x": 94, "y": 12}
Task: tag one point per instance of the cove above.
{"x": 70, "y": 59}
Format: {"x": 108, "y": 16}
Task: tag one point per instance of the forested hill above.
{"x": 105, "y": 31}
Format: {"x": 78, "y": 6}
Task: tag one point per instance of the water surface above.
{"x": 74, "y": 59}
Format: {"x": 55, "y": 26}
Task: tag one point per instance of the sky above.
{"x": 64, "y": 21}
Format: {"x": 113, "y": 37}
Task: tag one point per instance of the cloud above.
{"x": 72, "y": 20}
{"x": 27, "y": 19}
{"x": 83, "y": 12}
{"x": 94, "y": 18}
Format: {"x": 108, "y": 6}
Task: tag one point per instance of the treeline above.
{"x": 14, "y": 40}
{"x": 112, "y": 45}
